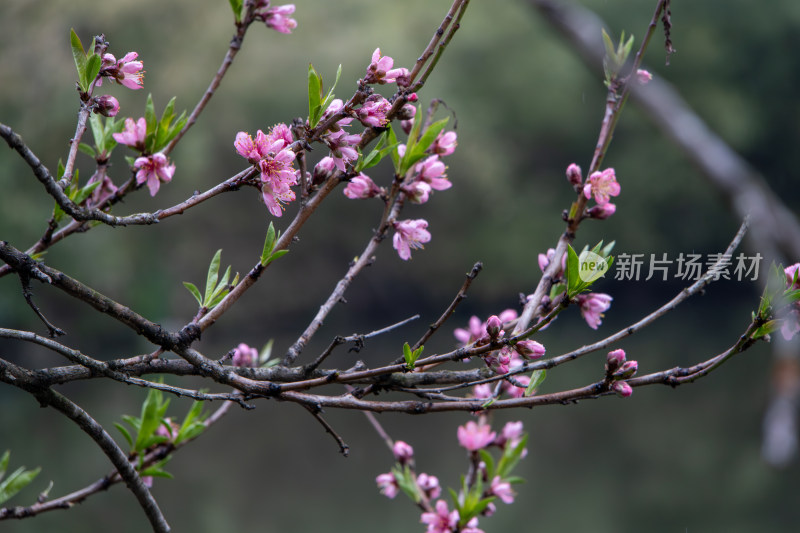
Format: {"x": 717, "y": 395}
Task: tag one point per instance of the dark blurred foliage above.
{"x": 664, "y": 460}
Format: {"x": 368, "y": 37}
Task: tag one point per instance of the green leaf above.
{"x": 195, "y": 292}
{"x": 88, "y": 150}
{"x": 766, "y": 329}
{"x": 192, "y": 425}
{"x": 93, "y": 65}
{"x": 488, "y": 460}
{"x": 276, "y": 255}
{"x": 152, "y": 412}
{"x": 407, "y": 482}
{"x": 150, "y": 120}
{"x": 269, "y": 244}
{"x": 429, "y": 136}
{"x": 411, "y": 357}
{"x": 573, "y": 269}
{"x": 329, "y": 97}
{"x": 792, "y": 295}
{"x": 236, "y": 6}
{"x": 17, "y": 481}
{"x": 537, "y": 378}
{"x": 314, "y": 96}
{"x": 511, "y": 457}
{"x": 79, "y": 56}
{"x": 157, "y": 469}
{"x": 392, "y": 139}
{"x": 85, "y": 191}
{"x": 125, "y": 433}
{"x": 212, "y": 276}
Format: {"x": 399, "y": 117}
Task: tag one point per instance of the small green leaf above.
{"x": 329, "y": 97}
{"x": 392, "y": 140}
{"x": 407, "y": 482}
{"x": 276, "y": 255}
{"x": 152, "y": 414}
{"x": 537, "y": 378}
{"x": 17, "y": 481}
{"x": 212, "y": 276}
{"x": 150, "y": 120}
{"x": 79, "y": 56}
{"x": 195, "y": 292}
{"x": 314, "y": 96}
{"x": 157, "y": 469}
{"x": 269, "y": 244}
{"x": 93, "y": 65}
{"x": 573, "y": 268}
{"x": 88, "y": 150}
{"x": 488, "y": 460}
{"x": 766, "y": 329}
{"x": 4, "y": 463}
{"x": 236, "y": 6}
{"x": 125, "y": 433}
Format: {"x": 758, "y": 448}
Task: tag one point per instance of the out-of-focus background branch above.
{"x": 526, "y": 108}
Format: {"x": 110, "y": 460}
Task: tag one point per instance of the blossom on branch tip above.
{"x": 153, "y": 170}
{"x": 472, "y": 526}
{"x": 601, "y": 212}
{"x": 127, "y": 71}
{"x": 516, "y": 391}
{"x": 417, "y": 192}
{"x": 102, "y": 192}
{"x": 442, "y": 520}
{"x": 429, "y": 485}
{"x": 502, "y": 489}
{"x": 474, "y": 437}
{"x": 380, "y": 69}
{"x": 529, "y": 349}
{"x": 593, "y": 305}
{"x": 602, "y": 185}
{"x": 410, "y": 234}
{"x": 403, "y": 452}
{"x": 482, "y": 391}
{"x": 277, "y": 17}
{"x": 388, "y": 485}
{"x": 431, "y": 171}
{"x": 341, "y": 144}
{"x": 323, "y": 170}
{"x": 614, "y": 360}
{"x": 627, "y": 370}
{"x": 512, "y": 433}
{"x": 244, "y": 355}
{"x": 643, "y": 77}
{"x": 445, "y": 143}
{"x": 622, "y": 388}
{"x": 361, "y": 187}
{"x": 133, "y": 135}
{"x": 574, "y": 175}
{"x": 373, "y": 112}
{"x": 546, "y": 258}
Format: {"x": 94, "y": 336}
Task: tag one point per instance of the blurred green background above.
{"x": 664, "y": 460}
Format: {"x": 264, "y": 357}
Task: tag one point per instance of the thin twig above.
{"x": 343, "y": 447}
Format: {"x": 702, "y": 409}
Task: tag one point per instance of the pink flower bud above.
{"x": 627, "y": 370}
{"x": 529, "y": 349}
{"x": 494, "y": 326}
{"x": 574, "y": 175}
{"x": 643, "y": 77}
{"x": 601, "y": 212}
{"x": 244, "y": 355}
{"x": 429, "y": 485}
{"x": 614, "y": 360}
{"x": 403, "y": 452}
{"x": 107, "y": 105}
{"x": 324, "y": 170}
{"x": 388, "y": 485}
{"x": 622, "y": 388}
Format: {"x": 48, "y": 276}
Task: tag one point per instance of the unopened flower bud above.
{"x": 574, "y": 175}
{"x": 614, "y": 360}
{"x": 643, "y": 77}
{"x": 107, "y": 105}
{"x": 403, "y": 452}
{"x": 494, "y": 326}
{"x": 601, "y": 212}
{"x": 324, "y": 170}
{"x": 627, "y": 370}
{"x": 622, "y": 388}
{"x": 413, "y": 97}
{"x": 529, "y": 349}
